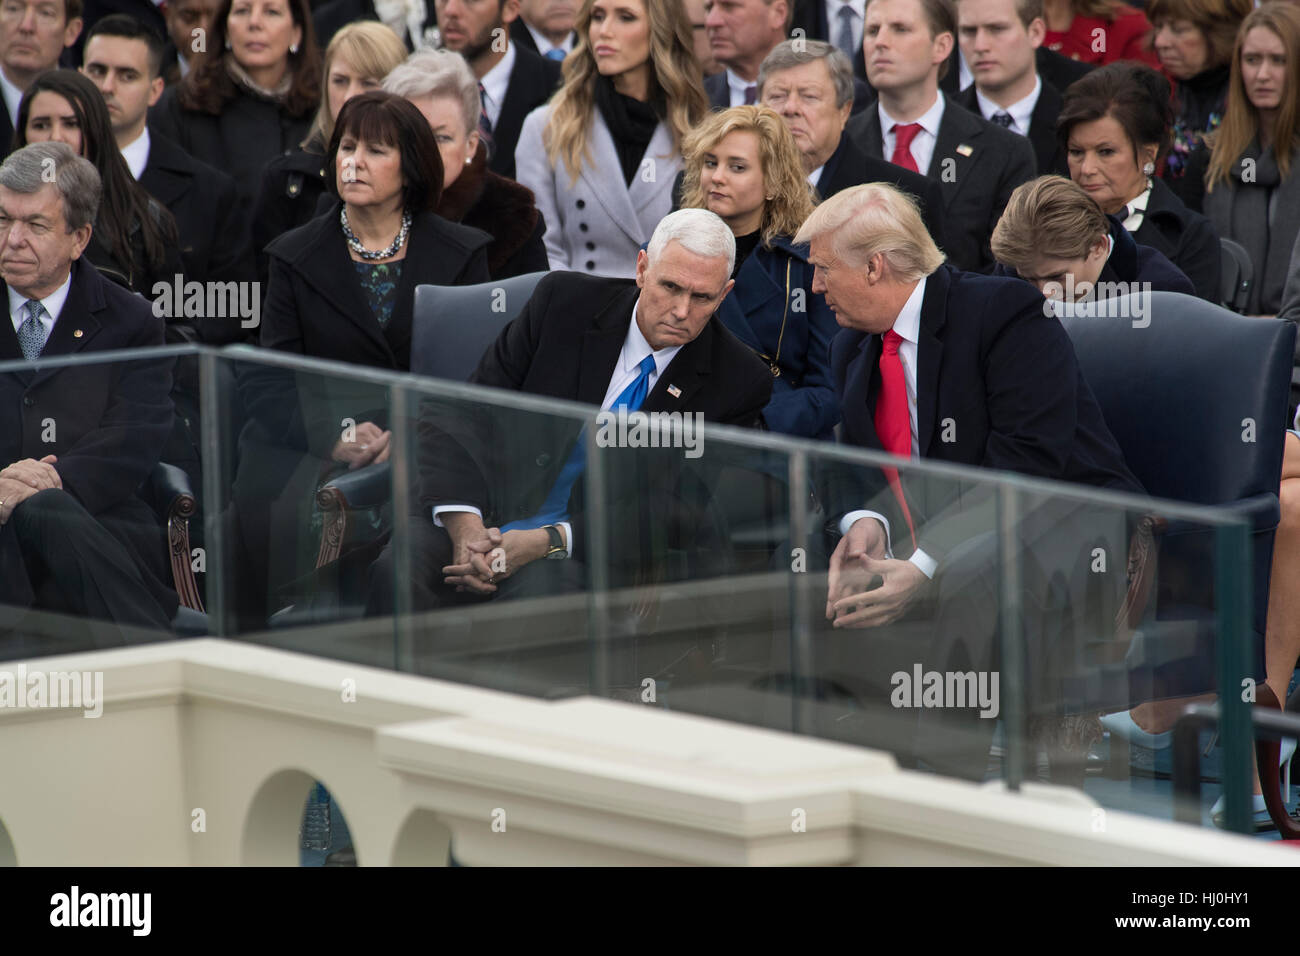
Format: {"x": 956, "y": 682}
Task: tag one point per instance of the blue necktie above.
{"x": 845, "y": 39}
{"x": 556, "y": 54}
{"x": 556, "y": 506}
{"x": 31, "y": 334}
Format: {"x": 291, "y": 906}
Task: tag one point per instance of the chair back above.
{"x": 452, "y": 326}
{"x": 1236, "y": 274}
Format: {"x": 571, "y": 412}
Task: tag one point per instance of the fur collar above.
{"x": 500, "y": 207}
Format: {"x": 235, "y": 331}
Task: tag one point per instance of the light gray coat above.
{"x": 597, "y": 225}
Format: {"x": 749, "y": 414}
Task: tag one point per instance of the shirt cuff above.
{"x": 437, "y": 523}
{"x": 852, "y": 518}
{"x": 923, "y": 561}
{"x": 568, "y": 534}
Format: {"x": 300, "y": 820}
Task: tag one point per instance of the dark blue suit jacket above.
{"x": 795, "y": 330}
{"x": 997, "y": 386}
{"x": 1130, "y": 263}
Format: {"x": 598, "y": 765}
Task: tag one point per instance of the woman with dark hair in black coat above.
{"x": 251, "y": 96}
{"x": 1115, "y": 126}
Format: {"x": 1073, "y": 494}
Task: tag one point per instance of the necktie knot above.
{"x": 904, "y": 133}
{"x": 556, "y": 54}
{"x": 1002, "y": 119}
{"x": 892, "y": 341}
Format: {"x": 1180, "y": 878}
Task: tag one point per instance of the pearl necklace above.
{"x": 355, "y": 244}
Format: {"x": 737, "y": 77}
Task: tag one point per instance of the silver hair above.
{"x": 437, "y": 73}
{"x": 699, "y": 231}
{"x": 785, "y": 56}
{"x": 26, "y": 170}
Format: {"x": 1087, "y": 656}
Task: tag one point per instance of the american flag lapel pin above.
{"x": 965, "y": 150}
{"x": 674, "y": 391}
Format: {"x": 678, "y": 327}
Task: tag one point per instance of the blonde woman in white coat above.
{"x": 601, "y": 157}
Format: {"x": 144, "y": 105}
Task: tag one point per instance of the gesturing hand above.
{"x": 847, "y": 576}
{"x": 903, "y": 583}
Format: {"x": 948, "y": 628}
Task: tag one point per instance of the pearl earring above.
{"x": 1148, "y": 169}
{"x": 293, "y": 48}
{"x": 469, "y": 161}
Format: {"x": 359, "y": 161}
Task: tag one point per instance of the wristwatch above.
{"x": 556, "y": 551}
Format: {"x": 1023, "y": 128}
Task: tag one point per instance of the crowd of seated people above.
{"x": 916, "y": 175}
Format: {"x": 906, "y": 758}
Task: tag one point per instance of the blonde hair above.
{"x": 783, "y": 177}
{"x": 675, "y": 82}
{"x": 1050, "y": 216}
{"x": 372, "y": 49}
{"x": 871, "y": 219}
{"x": 1241, "y": 121}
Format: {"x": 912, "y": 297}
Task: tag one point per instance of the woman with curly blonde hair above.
{"x": 601, "y": 157}
{"x": 743, "y": 164}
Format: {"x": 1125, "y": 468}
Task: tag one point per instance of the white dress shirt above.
{"x": 1138, "y": 210}
{"x": 13, "y": 98}
{"x": 908, "y": 326}
{"x": 495, "y": 83}
{"x": 859, "y": 8}
{"x": 136, "y": 154}
{"x": 626, "y": 369}
{"x": 922, "y": 148}
{"x": 736, "y": 86}
{"x": 53, "y": 306}
{"x": 545, "y": 46}
{"x": 1021, "y": 112}
{"x": 815, "y": 176}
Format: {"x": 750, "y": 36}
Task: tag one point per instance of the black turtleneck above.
{"x": 631, "y": 124}
{"x": 745, "y": 245}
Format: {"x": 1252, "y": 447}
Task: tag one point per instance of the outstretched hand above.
{"x": 902, "y": 583}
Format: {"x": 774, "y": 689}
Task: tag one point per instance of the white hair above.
{"x": 699, "y": 231}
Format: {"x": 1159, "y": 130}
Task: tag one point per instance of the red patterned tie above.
{"x": 904, "y": 133}
{"x": 893, "y": 419}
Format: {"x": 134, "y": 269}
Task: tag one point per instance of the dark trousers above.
{"x": 56, "y": 556}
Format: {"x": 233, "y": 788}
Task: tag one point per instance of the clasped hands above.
{"x": 23, "y": 479}
{"x": 482, "y": 557}
{"x": 858, "y": 560}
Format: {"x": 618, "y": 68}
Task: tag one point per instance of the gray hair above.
{"x": 699, "y": 231}
{"x": 785, "y": 56}
{"x": 437, "y": 73}
{"x": 26, "y": 170}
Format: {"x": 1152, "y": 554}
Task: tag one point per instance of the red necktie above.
{"x": 893, "y": 419}
{"x": 904, "y": 133}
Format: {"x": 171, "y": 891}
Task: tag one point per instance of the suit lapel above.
{"x": 605, "y": 177}
{"x": 78, "y": 322}
{"x": 643, "y": 194}
{"x": 929, "y": 356}
{"x": 165, "y": 175}
{"x": 958, "y": 137}
{"x": 331, "y": 272}
{"x": 1042, "y": 129}
{"x": 601, "y": 347}
{"x": 871, "y": 140}
{"x": 685, "y": 374}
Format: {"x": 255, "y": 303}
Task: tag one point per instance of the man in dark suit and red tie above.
{"x": 948, "y": 366}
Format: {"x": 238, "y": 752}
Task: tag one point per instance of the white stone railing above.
{"x": 206, "y": 750}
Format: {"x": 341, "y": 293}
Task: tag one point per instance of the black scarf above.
{"x": 631, "y": 123}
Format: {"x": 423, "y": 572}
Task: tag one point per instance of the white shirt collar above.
{"x": 1021, "y": 112}
{"x": 908, "y": 323}
{"x": 738, "y": 87}
{"x": 495, "y": 83}
{"x": 1138, "y": 210}
{"x": 929, "y": 120}
{"x": 13, "y": 97}
{"x": 53, "y": 305}
{"x": 544, "y": 45}
{"x": 183, "y": 63}
{"x": 815, "y": 176}
{"x": 136, "y": 153}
